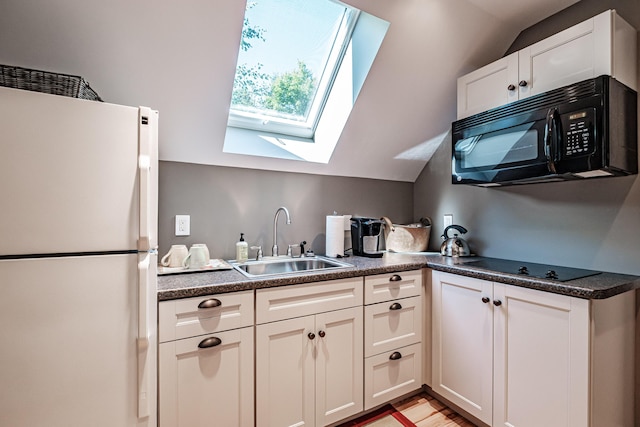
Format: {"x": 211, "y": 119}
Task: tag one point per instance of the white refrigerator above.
{"x": 78, "y": 240}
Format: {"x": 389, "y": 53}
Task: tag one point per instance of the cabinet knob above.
{"x": 395, "y": 306}
{"x": 322, "y": 334}
{"x": 395, "y": 355}
{"x": 210, "y": 342}
{"x": 485, "y": 300}
{"x": 395, "y": 278}
{"x": 522, "y": 83}
{"x": 497, "y": 303}
{"x": 311, "y": 335}
{"x": 511, "y": 88}
{"x": 210, "y": 303}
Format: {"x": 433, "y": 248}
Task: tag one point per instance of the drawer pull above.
{"x": 322, "y": 334}
{"x": 485, "y": 300}
{"x": 311, "y": 335}
{"x": 210, "y": 303}
{"x": 395, "y": 278}
{"x": 210, "y": 342}
{"x": 497, "y": 303}
{"x": 395, "y": 306}
{"x": 395, "y": 355}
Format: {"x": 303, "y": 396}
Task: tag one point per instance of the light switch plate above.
{"x": 183, "y": 225}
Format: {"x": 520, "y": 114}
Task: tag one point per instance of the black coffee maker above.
{"x": 365, "y": 237}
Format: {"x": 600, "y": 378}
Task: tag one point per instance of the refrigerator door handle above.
{"x": 145, "y": 153}
{"x": 144, "y": 376}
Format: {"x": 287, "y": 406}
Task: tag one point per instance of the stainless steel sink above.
{"x": 281, "y": 265}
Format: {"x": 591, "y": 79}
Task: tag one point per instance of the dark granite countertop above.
{"x": 600, "y": 286}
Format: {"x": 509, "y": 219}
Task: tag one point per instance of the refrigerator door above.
{"x": 71, "y": 353}
{"x": 70, "y": 171}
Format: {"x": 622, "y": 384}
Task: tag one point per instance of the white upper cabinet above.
{"x": 602, "y": 45}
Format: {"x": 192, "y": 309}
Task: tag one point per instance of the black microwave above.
{"x": 584, "y": 130}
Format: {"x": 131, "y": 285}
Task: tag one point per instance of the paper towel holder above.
{"x": 334, "y": 235}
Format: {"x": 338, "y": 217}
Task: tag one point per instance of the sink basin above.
{"x": 280, "y": 266}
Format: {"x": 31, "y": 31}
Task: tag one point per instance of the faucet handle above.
{"x": 258, "y": 253}
{"x": 290, "y": 250}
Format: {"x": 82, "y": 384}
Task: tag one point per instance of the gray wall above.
{"x": 223, "y": 202}
{"x": 590, "y": 224}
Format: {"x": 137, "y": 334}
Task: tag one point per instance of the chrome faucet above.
{"x": 274, "y": 249}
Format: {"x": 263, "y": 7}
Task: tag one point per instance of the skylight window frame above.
{"x": 305, "y": 129}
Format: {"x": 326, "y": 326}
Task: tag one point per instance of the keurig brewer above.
{"x": 365, "y": 237}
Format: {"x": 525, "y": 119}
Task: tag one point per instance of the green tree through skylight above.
{"x": 289, "y": 53}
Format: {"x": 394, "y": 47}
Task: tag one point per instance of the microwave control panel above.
{"x": 578, "y": 131}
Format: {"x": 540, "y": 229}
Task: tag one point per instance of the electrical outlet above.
{"x": 448, "y": 220}
{"x": 183, "y": 225}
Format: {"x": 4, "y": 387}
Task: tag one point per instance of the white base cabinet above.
{"x": 392, "y": 336}
{"x": 206, "y": 369}
{"x": 602, "y": 45}
{"x": 512, "y": 356}
{"x": 309, "y": 369}
{"x": 321, "y": 352}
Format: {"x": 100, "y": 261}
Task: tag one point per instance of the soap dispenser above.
{"x": 242, "y": 249}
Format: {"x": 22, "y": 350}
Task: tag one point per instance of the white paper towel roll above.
{"x": 335, "y": 235}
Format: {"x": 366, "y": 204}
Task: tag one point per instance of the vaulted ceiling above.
{"x": 179, "y": 58}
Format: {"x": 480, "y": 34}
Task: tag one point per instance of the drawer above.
{"x": 191, "y": 317}
{"x": 392, "y": 324}
{"x": 386, "y": 287}
{"x": 392, "y": 374}
{"x": 286, "y": 302}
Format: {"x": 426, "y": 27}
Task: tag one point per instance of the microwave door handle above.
{"x": 551, "y": 139}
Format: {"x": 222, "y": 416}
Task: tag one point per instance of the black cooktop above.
{"x": 542, "y": 271}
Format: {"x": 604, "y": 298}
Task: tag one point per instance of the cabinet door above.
{"x": 462, "y": 365}
{"x": 207, "y": 386}
{"x": 285, "y": 373}
{"x": 488, "y": 87}
{"x": 541, "y": 359}
{"x": 581, "y": 52}
{"x": 339, "y": 364}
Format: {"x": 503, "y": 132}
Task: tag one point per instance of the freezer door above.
{"x": 70, "y": 174}
{"x": 70, "y": 342}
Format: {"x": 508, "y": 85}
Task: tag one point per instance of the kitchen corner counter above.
{"x": 601, "y": 286}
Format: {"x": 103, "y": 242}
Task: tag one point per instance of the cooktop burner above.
{"x": 542, "y": 271}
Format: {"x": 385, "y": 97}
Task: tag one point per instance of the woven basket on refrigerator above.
{"x": 46, "y": 82}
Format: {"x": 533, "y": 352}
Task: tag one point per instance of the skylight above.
{"x": 301, "y": 65}
{"x": 288, "y": 58}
